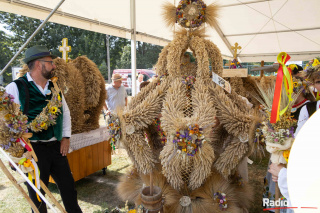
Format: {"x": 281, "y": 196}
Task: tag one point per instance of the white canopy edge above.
{"x": 295, "y": 56}
{"x": 27, "y": 9}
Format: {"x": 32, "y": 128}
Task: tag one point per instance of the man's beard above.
{"x": 47, "y": 74}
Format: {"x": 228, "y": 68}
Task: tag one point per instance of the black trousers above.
{"x": 51, "y": 162}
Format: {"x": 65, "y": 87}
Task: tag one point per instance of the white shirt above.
{"x": 283, "y": 186}
{"x": 12, "y": 89}
{"x": 138, "y": 85}
{"x": 303, "y": 117}
{"x": 116, "y": 97}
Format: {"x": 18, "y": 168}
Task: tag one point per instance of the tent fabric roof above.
{"x": 263, "y": 28}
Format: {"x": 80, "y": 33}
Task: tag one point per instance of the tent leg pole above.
{"x": 108, "y": 57}
{"x": 133, "y": 46}
{"x": 31, "y": 37}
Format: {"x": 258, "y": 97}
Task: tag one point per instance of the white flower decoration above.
{"x": 130, "y": 129}
{"x": 185, "y": 201}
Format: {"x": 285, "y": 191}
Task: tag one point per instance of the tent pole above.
{"x": 108, "y": 58}
{"x": 31, "y": 37}
{"x": 133, "y": 46}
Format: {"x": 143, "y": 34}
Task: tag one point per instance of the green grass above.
{"x": 96, "y": 192}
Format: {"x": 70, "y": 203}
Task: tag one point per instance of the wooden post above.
{"x": 151, "y": 184}
{"x": 262, "y": 71}
{"x": 14, "y": 182}
{"x": 277, "y": 197}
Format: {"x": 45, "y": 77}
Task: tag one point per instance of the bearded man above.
{"x": 51, "y": 144}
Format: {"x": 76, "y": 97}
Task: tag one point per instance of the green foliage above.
{"x": 147, "y": 56}
{"x": 104, "y": 70}
{"x": 125, "y": 60}
{"x": 5, "y": 55}
{"x": 82, "y": 42}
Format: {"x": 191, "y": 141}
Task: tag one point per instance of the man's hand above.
{"x": 64, "y": 146}
{"x": 274, "y": 169}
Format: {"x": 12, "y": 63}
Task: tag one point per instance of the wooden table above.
{"x": 88, "y": 160}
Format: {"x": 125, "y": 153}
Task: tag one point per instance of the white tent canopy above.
{"x": 263, "y": 28}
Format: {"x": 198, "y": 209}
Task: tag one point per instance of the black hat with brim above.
{"x": 36, "y": 52}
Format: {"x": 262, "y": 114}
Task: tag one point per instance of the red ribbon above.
{"x": 277, "y": 92}
{"x": 24, "y": 144}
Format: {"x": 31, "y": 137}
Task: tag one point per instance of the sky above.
{"x": 3, "y": 29}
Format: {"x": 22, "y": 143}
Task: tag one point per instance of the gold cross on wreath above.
{"x": 65, "y": 49}
{"x": 235, "y": 49}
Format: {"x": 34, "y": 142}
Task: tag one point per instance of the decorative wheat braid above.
{"x": 172, "y": 119}
{"x": 231, "y": 157}
{"x": 173, "y": 106}
{"x": 198, "y": 167}
{"x": 142, "y": 115}
{"x": 203, "y": 108}
{"x": 142, "y": 95}
{"x": 198, "y": 46}
{"x": 202, "y": 164}
{"x": 91, "y": 74}
{"x": 215, "y": 56}
{"x": 171, "y": 165}
{"x": 237, "y": 86}
{"x": 235, "y": 121}
{"x": 139, "y": 152}
{"x": 177, "y": 47}
{"x": 204, "y": 116}
{"x": 161, "y": 66}
{"x": 139, "y": 118}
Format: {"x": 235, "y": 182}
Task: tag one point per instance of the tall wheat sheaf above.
{"x": 213, "y": 167}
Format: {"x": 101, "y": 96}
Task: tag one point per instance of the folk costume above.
{"x": 46, "y": 143}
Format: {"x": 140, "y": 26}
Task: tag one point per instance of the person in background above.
{"x": 116, "y": 95}
{"x": 139, "y": 81}
{"x": 304, "y": 97}
{"x": 299, "y": 83}
{"x": 32, "y": 92}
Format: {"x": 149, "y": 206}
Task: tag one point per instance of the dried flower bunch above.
{"x": 191, "y": 13}
{"x": 278, "y": 136}
{"x": 13, "y": 124}
{"x": 48, "y": 115}
{"x": 221, "y": 200}
{"x": 312, "y": 72}
{"x": 114, "y": 129}
{"x": 190, "y": 140}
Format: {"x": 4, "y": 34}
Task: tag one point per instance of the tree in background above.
{"x": 5, "y": 55}
{"x": 147, "y": 56}
{"x": 83, "y": 42}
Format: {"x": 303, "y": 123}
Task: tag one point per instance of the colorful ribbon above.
{"x": 31, "y": 163}
{"x": 24, "y": 141}
{"x": 282, "y": 72}
{"x": 317, "y": 96}
{"x": 315, "y": 62}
